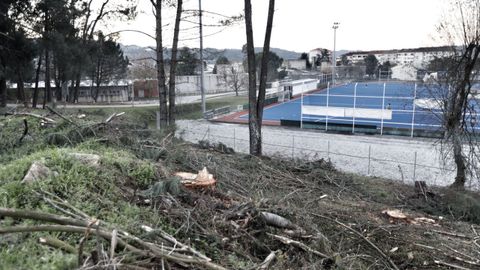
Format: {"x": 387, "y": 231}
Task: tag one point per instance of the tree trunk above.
{"x": 254, "y": 132}
{"x": 255, "y": 103}
{"x": 459, "y": 159}
{"x": 264, "y": 72}
{"x": 162, "y": 91}
{"x": 173, "y": 65}
{"x": 21, "y": 90}
{"x": 3, "y": 92}
{"x": 37, "y": 77}
{"x": 77, "y": 88}
{"x": 48, "y": 91}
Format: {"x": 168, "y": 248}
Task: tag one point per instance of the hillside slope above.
{"x": 129, "y": 211}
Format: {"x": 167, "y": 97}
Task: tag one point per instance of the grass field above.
{"x": 147, "y": 115}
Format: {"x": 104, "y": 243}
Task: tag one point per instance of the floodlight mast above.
{"x": 334, "y": 60}
{"x": 202, "y": 86}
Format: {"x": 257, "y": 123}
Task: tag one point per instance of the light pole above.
{"x": 334, "y": 60}
{"x": 202, "y": 87}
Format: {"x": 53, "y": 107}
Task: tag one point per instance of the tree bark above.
{"x": 254, "y": 133}
{"x": 456, "y": 115}
{"x": 47, "y": 98}
{"x": 37, "y": 77}
{"x": 264, "y": 72}
{"x": 173, "y": 65}
{"x": 3, "y": 92}
{"x": 162, "y": 90}
{"x": 21, "y": 89}
{"x": 256, "y": 104}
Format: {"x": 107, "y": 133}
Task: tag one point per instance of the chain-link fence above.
{"x": 393, "y": 158}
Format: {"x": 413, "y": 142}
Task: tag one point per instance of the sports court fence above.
{"x": 386, "y": 161}
{"x": 369, "y": 113}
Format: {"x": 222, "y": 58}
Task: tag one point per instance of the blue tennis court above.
{"x": 394, "y": 106}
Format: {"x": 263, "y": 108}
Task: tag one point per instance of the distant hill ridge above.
{"x": 135, "y": 52}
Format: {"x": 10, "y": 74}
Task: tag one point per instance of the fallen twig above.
{"x": 111, "y": 117}
{"x": 46, "y": 119}
{"x": 288, "y": 241}
{"x": 144, "y": 249}
{"x": 56, "y": 243}
{"x": 451, "y": 234}
{"x": 266, "y": 263}
{"x": 361, "y": 236}
{"x": 450, "y": 265}
{"x": 61, "y": 116}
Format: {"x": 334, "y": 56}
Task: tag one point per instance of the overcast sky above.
{"x": 302, "y": 25}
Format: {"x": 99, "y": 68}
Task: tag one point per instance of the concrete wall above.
{"x": 187, "y": 85}
{"x": 295, "y": 64}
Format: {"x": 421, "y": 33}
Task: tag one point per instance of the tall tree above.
{"x": 20, "y": 60}
{"x": 173, "y": 65}
{"x": 110, "y": 65}
{"x": 10, "y": 33}
{"x": 88, "y": 22}
{"x": 304, "y": 56}
{"x": 371, "y": 64}
{"x": 459, "y": 109}
{"x": 273, "y": 62}
{"x": 162, "y": 89}
{"x": 222, "y": 60}
{"x": 255, "y": 103}
{"x": 232, "y": 79}
{"x": 187, "y": 62}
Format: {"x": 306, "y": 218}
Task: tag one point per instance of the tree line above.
{"x": 58, "y": 42}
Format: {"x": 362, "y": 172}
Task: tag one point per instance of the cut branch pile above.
{"x": 170, "y": 248}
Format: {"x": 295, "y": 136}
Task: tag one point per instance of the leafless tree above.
{"x": 233, "y": 79}
{"x": 454, "y": 89}
{"x": 255, "y": 102}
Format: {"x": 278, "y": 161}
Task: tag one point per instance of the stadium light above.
{"x": 334, "y": 60}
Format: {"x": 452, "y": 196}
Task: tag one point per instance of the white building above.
{"x": 417, "y": 57}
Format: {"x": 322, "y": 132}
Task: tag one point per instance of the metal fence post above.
{"x": 413, "y": 114}
{"x": 234, "y": 140}
{"x": 354, "y": 107}
{"x": 383, "y": 108}
{"x": 369, "y": 155}
{"x": 328, "y": 149}
{"x": 414, "y": 167}
{"x": 293, "y": 147}
{"x": 328, "y": 97}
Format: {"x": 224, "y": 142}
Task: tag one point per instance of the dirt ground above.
{"x": 263, "y": 213}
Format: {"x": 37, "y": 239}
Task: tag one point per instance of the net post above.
{"x": 369, "y": 156}
{"x": 383, "y": 108}
{"x": 328, "y": 98}
{"x": 301, "y": 111}
{"x": 293, "y": 147}
{"x": 414, "y": 167}
{"x": 328, "y": 150}
{"x": 234, "y": 139}
{"x": 354, "y": 106}
{"x": 413, "y": 111}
